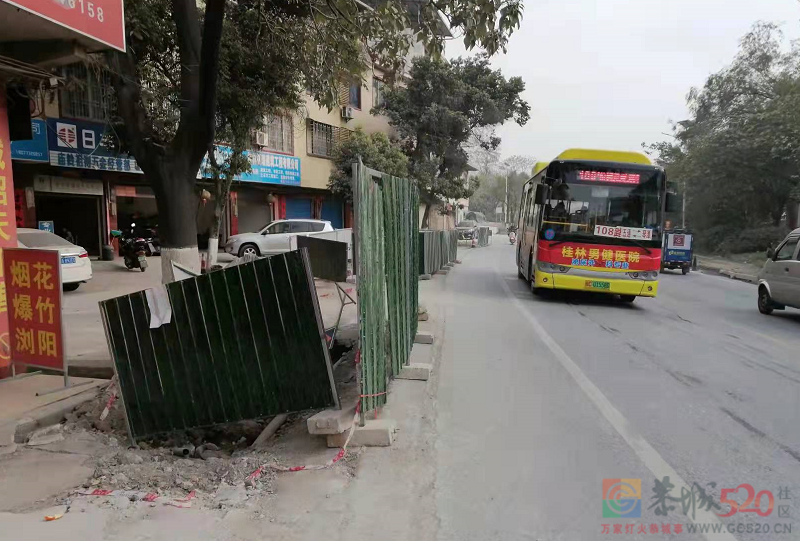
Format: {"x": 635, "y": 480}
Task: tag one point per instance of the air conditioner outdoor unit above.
{"x": 347, "y": 112}
{"x": 262, "y": 139}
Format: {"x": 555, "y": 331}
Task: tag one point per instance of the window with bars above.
{"x": 88, "y": 93}
{"x": 321, "y": 138}
{"x": 277, "y": 134}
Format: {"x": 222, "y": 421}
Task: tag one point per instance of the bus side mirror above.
{"x": 770, "y": 252}
{"x": 542, "y": 194}
{"x": 672, "y": 203}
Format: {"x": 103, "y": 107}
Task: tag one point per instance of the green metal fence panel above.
{"x": 387, "y": 262}
{"x": 436, "y": 249}
{"x": 243, "y": 342}
{"x": 483, "y": 236}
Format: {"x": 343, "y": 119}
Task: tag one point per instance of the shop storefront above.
{"x": 73, "y": 207}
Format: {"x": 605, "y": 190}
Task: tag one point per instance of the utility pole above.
{"x": 505, "y": 204}
{"x": 683, "y": 208}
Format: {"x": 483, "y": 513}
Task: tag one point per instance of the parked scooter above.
{"x": 133, "y": 249}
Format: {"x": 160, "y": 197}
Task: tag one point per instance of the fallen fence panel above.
{"x": 243, "y": 342}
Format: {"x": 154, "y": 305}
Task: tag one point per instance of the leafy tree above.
{"x": 167, "y": 82}
{"x": 443, "y": 107}
{"x": 738, "y": 155}
{"x": 375, "y": 150}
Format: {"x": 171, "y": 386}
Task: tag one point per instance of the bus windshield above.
{"x": 587, "y": 197}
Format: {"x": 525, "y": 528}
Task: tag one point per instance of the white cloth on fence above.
{"x": 160, "y": 308}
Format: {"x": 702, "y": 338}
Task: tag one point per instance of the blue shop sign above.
{"x": 265, "y": 167}
{"x": 34, "y": 149}
{"x": 87, "y": 145}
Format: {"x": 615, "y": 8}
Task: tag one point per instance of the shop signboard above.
{"x": 87, "y": 145}
{"x": 34, "y": 149}
{"x": 8, "y": 225}
{"x": 100, "y": 20}
{"x": 47, "y": 225}
{"x": 265, "y": 167}
{"x": 34, "y": 301}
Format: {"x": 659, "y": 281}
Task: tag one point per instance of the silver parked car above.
{"x": 779, "y": 280}
{"x": 274, "y": 237}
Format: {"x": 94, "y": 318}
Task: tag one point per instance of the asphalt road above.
{"x": 540, "y": 400}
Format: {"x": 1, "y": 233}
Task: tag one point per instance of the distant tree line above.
{"x": 737, "y": 156}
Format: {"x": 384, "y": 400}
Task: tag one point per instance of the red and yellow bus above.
{"x": 592, "y": 220}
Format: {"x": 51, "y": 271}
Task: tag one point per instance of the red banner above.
{"x": 101, "y": 20}
{"x": 34, "y": 301}
{"x": 8, "y": 227}
{"x": 600, "y": 257}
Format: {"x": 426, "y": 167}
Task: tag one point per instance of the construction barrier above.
{"x": 436, "y": 249}
{"x": 484, "y": 236}
{"x": 385, "y": 242}
{"x": 239, "y": 343}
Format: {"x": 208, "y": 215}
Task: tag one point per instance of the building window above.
{"x": 323, "y": 138}
{"x": 355, "y": 96}
{"x": 378, "y": 98}
{"x": 277, "y": 134}
{"x": 88, "y": 93}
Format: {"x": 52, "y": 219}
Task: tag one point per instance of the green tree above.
{"x": 167, "y": 81}
{"x": 442, "y": 108}
{"x": 375, "y": 150}
{"x": 737, "y": 156}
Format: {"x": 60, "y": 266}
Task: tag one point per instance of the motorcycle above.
{"x": 133, "y": 249}
{"x": 512, "y": 237}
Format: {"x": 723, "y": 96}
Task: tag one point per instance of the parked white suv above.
{"x": 779, "y": 280}
{"x": 274, "y": 237}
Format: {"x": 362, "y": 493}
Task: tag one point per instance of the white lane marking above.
{"x": 646, "y": 453}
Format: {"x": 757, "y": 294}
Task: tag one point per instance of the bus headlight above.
{"x": 546, "y": 267}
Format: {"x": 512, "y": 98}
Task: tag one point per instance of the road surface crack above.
{"x": 785, "y": 448}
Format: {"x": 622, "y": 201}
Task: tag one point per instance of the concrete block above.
{"x": 443, "y": 270}
{"x": 423, "y": 338}
{"x": 331, "y": 421}
{"x": 424, "y": 276}
{"x": 458, "y": 261}
{"x": 417, "y": 371}
{"x": 374, "y": 433}
{"x": 422, "y": 317}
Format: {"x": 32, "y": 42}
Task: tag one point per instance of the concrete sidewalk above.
{"x": 732, "y": 269}
{"x": 86, "y": 347}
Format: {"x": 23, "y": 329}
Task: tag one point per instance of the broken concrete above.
{"x": 374, "y": 433}
{"x": 331, "y": 421}
{"x": 423, "y": 338}
{"x": 416, "y": 371}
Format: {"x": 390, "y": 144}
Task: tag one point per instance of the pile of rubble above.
{"x": 213, "y": 462}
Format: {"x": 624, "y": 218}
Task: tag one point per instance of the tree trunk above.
{"x": 425, "y": 216}
{"x": 222, "y": 189}
{"x": 176, "y": 199}
{"x": 792, "y": 212}
{"x": 171, "y": 167}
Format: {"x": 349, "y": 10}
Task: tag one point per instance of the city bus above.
{"x": 592, "y": 220}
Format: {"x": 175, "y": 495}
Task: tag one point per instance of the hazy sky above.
{"x": 612, "y": 73}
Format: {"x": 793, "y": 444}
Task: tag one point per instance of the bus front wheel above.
{"x": 627, "y": 298}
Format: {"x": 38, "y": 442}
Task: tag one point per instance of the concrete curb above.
{"x": 744, "y": 277}
{"x": 51, "y": 414}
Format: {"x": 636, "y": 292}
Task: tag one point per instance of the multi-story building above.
{"x": 72, "y": 173}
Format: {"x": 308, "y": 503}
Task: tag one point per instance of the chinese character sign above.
{"x": 8, "y": 223}
{"x": 33, "y": 280}
{"x": 601, "y": 257}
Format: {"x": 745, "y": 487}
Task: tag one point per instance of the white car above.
{"x": 75, "y": 264}
{"x": 274, "y": 237}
